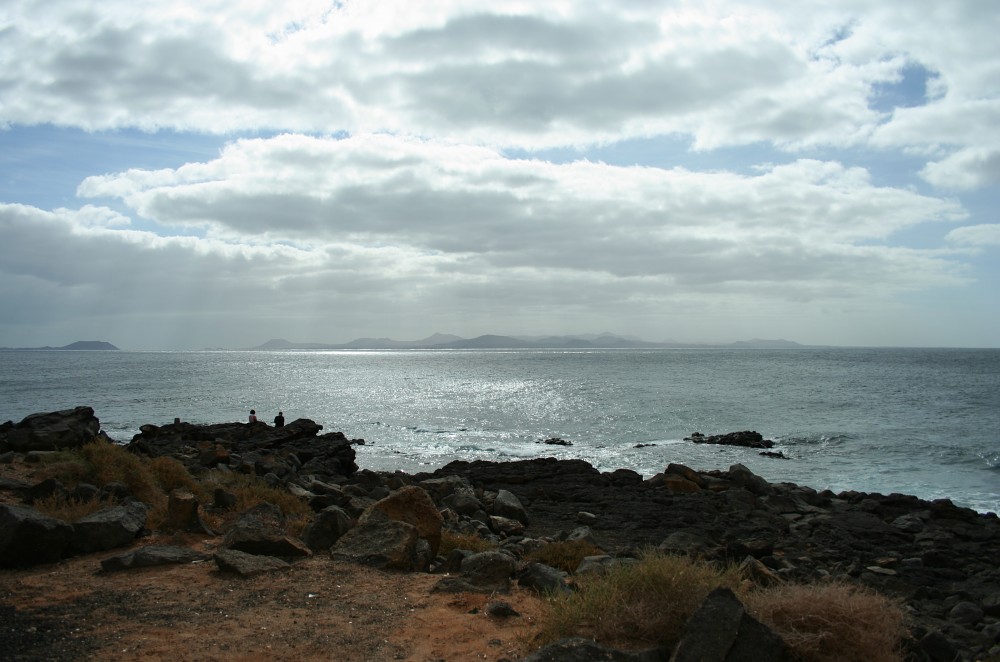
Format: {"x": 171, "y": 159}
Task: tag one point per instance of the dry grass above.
{"x": 833, "y": 622}
{"x": 638, "y": 605}
{"x": 468, "y": 541}
{"x": 564, "y": 555}
{"x": 111, "y": 463}
{"x": 252, "y": 491}
{"x": 69, "y": 509}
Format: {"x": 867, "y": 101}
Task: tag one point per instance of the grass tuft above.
{"x": 564, "y": 555}
{"x": 69, "y": 509}
{"x": 252, "y": 491}
{"x": 833, "y": 622}
{"x": 451, "y": 540}
{"x": 639, "y": 605}
{"x": 111, "y": 463}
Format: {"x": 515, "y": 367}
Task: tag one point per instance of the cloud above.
{"x": 976, "y": 235}
{"x": 970, "y": 168}
{"x": 528, "y": 75}
{"x": 791, "y": 227}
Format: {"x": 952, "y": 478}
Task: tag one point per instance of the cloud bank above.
{"x": 401, "y": 180}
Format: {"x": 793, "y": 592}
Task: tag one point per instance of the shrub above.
{"x": 833, "y": 622}
{"x": 638, "y": 605}
{"x": 111, "y": 463}
{"x": 469, "y": 541}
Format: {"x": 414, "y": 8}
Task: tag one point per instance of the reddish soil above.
{"x": 317, "y": 610}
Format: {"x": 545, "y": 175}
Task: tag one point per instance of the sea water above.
{"x": 914, "y": 421}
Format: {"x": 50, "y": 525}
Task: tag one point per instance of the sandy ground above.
{"x": 317, "y": 610}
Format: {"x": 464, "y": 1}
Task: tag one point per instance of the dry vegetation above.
{"x": 833, "y": 622}
{"x": 647, "y": 604}
{"x": 631, "y": 606}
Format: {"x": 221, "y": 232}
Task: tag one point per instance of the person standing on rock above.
{"x": 253, "y": 416}
{"x": 279, "y": 420}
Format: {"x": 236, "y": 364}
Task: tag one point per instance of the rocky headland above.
{"x": 939, "y": 559}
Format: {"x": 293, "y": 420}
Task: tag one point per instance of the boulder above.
{"x": 247, "y": 565}
{"x": 380, "y": 542}
{"x": 506, "y": 504}
{"x": 414, "y": 506}
{"x": 108, "y": 528}
{"x": 722, "y": 630}
{"x": 544, "y": 579}
{"x": 27, "y": 537}
{"x": 69, "y": 428}
{"x": 152, "y": 555}
{"x": 261, "y": 530}
{"x": 330, "y": 525}
{"x": 485, "y": 572}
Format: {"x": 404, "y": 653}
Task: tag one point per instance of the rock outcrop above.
{"x": 295, "y": 448}
{"x": 69, "y": 428}
{"x": 745, "y": 438}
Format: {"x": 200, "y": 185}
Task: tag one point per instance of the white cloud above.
{"x": 976, "y": 235}
{"x": 970, "y": 168}
{"x": 527, "y": 75}
{"x": 797, "y": 230}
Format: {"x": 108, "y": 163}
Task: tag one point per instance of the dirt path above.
{"x": 318, "y": 610}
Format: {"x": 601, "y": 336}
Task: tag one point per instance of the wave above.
{"x": 816, "y": 438}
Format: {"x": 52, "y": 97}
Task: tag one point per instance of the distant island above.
{"x": 445, "y": 341}
{"x": 78, "y": 345}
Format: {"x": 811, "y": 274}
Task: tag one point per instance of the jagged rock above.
{"x": 152, "y": 555}
{"x": 506, "y": 504}
{"x": 247, "y": 565}
{"x": 28, "y": 537}
{"x": 44, "y": 489}
{"x": 720, "y": 629}
{"x": 505, "y": 526}
{"x": 745, "y": 438}
{"x": 485, "y": 572}
{"x": 463, "y": 500}
{"x": 489, "y": 569}
{"x": 556, "y": 441}
{"x": 296, "y": 447}
{"x": 381, "y": 543}
{"x": 585, "y": 650}
{"x": 414, "y": 506}
{"x": 543, "y": 578}
{"x": 261, "y": 531}
{"x": 743, "y": 477}
{"x": 330, "y": 525}
{"x": 69, "y": 428}
{"x": 108, "y": 528}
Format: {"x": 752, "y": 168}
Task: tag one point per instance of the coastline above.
{"x": 938, "y": 558}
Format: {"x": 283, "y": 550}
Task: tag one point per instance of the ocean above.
{"x": 914, "y": 421}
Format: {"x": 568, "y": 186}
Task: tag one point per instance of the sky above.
{"x": 216, "y": 174}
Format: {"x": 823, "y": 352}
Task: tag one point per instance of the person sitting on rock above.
{"x": 253, "y": 416}
{"x": 279, "y": 420}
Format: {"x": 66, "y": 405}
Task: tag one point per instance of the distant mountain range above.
{"x": 445, "y": 341}
{"x": 79, "y": 344}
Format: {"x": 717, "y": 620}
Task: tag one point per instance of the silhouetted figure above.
{"x": 253, "y": 415}
{"x": 279, "y": 420}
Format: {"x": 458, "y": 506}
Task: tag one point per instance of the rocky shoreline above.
{"x": 939, "y": 559}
